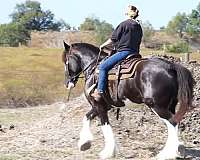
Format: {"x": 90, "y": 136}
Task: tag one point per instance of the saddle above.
{"x": 125, "y": 69}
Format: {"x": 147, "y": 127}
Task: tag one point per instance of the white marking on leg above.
{"x": 109, "y": 148}
{"x": 85, "y": 134}
{"x": 170, "y": 150}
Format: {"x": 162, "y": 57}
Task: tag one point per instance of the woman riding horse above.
{"x": 127, "y": 38}
{"x": 157, "y": 83}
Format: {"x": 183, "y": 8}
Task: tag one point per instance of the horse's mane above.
{"x": 86, "y": 46}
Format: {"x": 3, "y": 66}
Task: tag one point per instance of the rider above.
{"x": 127, "y": 36}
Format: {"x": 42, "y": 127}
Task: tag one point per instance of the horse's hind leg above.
{"x": 109, "y": 148}
{"x": 170, "y": 149}
{"x": 86, "y": 135}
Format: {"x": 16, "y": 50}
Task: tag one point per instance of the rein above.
{"x": 78, "y": 74}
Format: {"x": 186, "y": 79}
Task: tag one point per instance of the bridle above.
{"x": 73, "y": 78}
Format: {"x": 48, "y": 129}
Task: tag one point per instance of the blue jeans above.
{"x": 108, "y": 64}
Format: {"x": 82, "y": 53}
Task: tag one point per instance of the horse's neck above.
{"x": 87, "y": 63}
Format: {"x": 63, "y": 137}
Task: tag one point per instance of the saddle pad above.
{"x": 127, "y": 69}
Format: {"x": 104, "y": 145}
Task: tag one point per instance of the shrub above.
{"x": 179, "y": 47}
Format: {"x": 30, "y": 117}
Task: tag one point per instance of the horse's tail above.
{"x": 185, "y": 91}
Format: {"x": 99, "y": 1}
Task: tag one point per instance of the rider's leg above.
{"x": 104, "y": 67}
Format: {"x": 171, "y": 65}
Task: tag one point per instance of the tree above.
{"x": 102, "y": 29}
{"x": 26, "y": 17}
{"x": 178, "y": 25}
{"x": 13, "y": 33}
{"x": 32, "y": 17}
{"x": 90, "y": 24}
{"x": 148, "y": 31}
{"x": 193, "y": 27}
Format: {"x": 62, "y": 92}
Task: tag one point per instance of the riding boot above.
{"x": 97, "y": 95}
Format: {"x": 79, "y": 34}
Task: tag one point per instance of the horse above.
{"x": 157, "y": 83}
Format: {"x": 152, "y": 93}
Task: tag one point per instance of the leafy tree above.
{"x": 178, "y": 25}
{"x": 193, "y": 27}
{"x": 31, "y": 15}
{"x": 102, "y": 29}
{"x": 148, "y": 31}
{"x": 26, "y": 17}
{"x": 13, "y": 33}
{"x": 90, "y": 24}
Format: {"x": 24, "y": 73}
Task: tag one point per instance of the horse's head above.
{"x": 72, "y": 64}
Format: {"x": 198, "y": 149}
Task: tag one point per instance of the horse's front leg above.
{"x": 110, "y": 147}
{"x": 171, "y": 148}
{"x": 86, "y": 135}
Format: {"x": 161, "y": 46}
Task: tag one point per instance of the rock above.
{"x": 11, "y": 127}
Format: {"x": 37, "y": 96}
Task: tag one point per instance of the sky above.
{"x": 74, "y": 12}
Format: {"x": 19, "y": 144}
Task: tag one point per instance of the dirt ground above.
{"x": 40, "y": 134}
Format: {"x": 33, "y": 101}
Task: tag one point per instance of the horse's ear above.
{"x": 67, "y": 47}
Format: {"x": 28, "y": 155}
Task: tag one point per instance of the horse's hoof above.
{"x": 85, "y": 146}
{"x": 166, "y": 155}
{"x": 106, "y": 153}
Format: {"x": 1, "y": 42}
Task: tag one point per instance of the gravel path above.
{"x": 139, "y": 134}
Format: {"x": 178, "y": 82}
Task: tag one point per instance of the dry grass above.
{"x": 31, "y": 76}
{"x": 193, "y": 56}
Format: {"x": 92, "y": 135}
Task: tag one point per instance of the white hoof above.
{"x": 86, "y": 136}
{"x": 84, "y": 146}
{"x": 85, "y": 142}
{"x": 105, "y": 153}
{"x": 164, "y": 155}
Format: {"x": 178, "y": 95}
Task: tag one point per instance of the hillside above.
{"x": 55, "y": 39}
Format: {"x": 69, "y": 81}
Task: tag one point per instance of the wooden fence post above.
{"x": 187, "y": 57}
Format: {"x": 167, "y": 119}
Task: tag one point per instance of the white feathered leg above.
{"x": 85, "y": 135}
{"x": 109, "y": 148}
{"x": 170, "y": 150}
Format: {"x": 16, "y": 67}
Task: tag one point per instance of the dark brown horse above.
{"x": 158, "y": 83}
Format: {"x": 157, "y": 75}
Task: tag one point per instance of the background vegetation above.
{"x": 25, "y": 18}
{"x": 32, "y": 76}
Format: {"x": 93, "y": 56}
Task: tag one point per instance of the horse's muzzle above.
{"x": 70, "y": 85}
